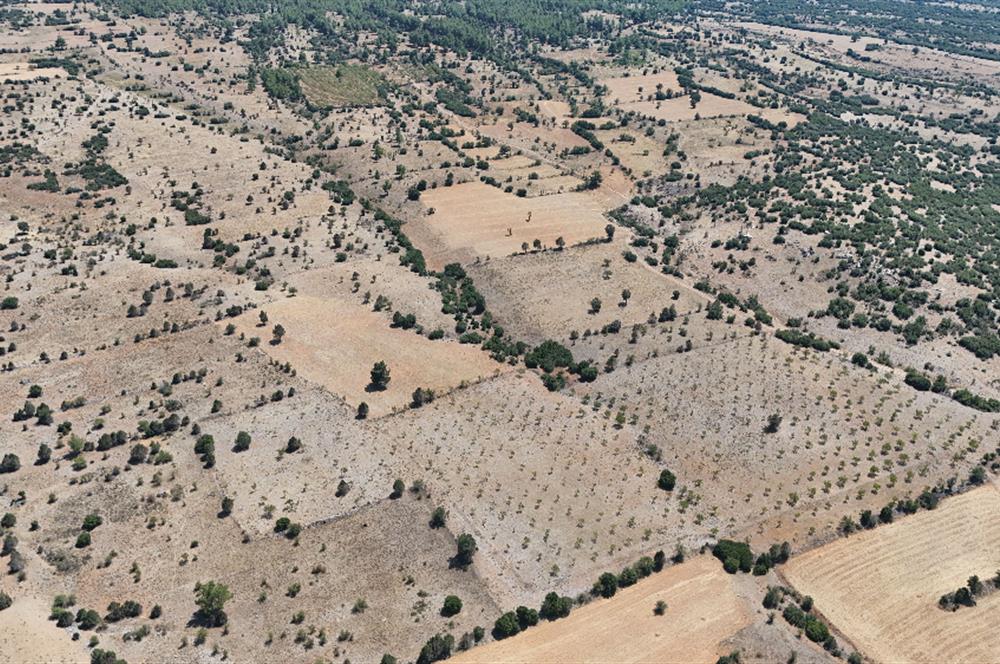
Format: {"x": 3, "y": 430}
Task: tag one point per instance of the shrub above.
{"x": 734, "y": 555}
{"x": 555, "y": 607}
{"x": 667, "y": 480}
{"x": 242, "y": 443}
{"x": 10, "y": 463}
{"x": 452, "y": 606}
{"x": 465, "y": 549}
{"x": 506, "y": 626}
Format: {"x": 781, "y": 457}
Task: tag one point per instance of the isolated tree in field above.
{"x": 466, "y": 548}
{"x": 362, "y": 411}
{"x": 10, "y": 463}
{"x": 667, "y": 480}
{"x": 242, "y": 443}
{"x": 438, "y": 517}
{"x": 278, "y": 334}
{"x": 609, "y": 230}
{"x": 397, "y": 489}
{"x": 595, "y": 305}
{"x": 773, "y": 422}
{"x": 379, "y": 376}
{"x": 452, "y": 606}
{"x": 211, "y": 598}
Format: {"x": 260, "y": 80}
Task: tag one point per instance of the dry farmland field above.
{"x": 332, "y": 343}
{"x": 474, "y": 220}
{"x": 703, "y": 611}
{"x": 881, "y": 588}
{"x": 623, "y": 331}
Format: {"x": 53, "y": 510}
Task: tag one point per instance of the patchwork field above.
{"x": 881, "y": 587}
{"x": 346, "y": 85}
{"x": 644, "y": 277}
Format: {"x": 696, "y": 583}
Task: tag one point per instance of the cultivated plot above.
{"x": 881, "y": 587}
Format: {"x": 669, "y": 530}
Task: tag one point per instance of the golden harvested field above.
{"x": 703, "y": 611}
{"x": 334, "y": 344}
{"x": 477, "y": 220}
{"x": 26, "y": 637}
{"x": 881, "y": 587}
{"x": 23, "y": 71}
{"x": 626, "y": 89}
{"x": 710, "y": 106}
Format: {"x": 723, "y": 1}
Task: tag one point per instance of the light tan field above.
{"x": 710, "y": 106}
{"x": 881, "y": 587}
{"x": 624, "y": 89}
{"x": 334, "y": 344}
{"x": 703, "y": 611}
{"x": 639, "y": 153}
{"x": 477, "y": 220}
{"x": 26, "y": 637}
{"x": 23, "y": 71}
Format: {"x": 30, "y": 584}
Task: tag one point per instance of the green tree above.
{"x": 379, "y": 377}
{"x": 606, "y": 586}
{"x": 452, "y": 606}
{"x": 211, "y": 598}
{"x": 437, "y": 648}
{"x": 242, "y": 443}
{"x": 466, "y": 548}
{"x": 506, "y": 626}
